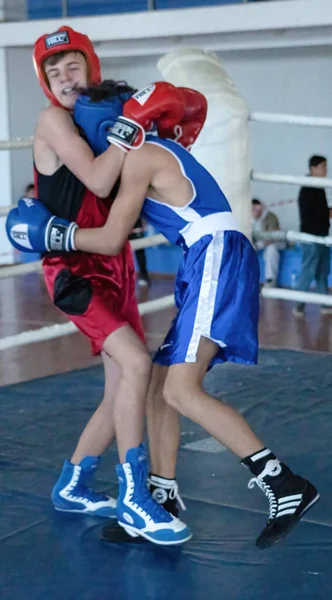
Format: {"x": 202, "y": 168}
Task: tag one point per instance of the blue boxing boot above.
{"x": 71, "y": 493}
{"x": 138, "y": 513}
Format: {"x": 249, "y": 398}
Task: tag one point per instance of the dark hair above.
{"x": 256, "y": 202}
{"x": 107, "y": 89}
{"x": 55, "y": 58}
{"x": 316, "y": 160}
{"x": 29, "y": 187}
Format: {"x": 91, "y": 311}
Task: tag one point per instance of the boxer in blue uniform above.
{"x": 217, "y": 296}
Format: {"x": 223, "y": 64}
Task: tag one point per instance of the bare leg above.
{"x": 129, "y": 403}
{"x": 184, "y": 392}
{"x": 122, "y": 411}
{"x": 272, "y": 260}
{"x": 137, "y": 512}
{"x": 99, "y": 432}
{"x": 163, "y": 427}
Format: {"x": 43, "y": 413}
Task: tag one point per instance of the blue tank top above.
{"x": 207, "y": 196}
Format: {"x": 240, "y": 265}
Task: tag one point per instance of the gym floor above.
{"x": 25, "y": 305}
{"x": 48, "y": 392}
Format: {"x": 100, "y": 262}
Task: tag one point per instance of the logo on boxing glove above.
{"x": 124, "y": 131}
{"x": 143, "y": 95}
{"x": 19, "y": 233}
{"x": 57, "y": 235}
{"x": 127, "y": 134}
{"x": 28, "y": 202}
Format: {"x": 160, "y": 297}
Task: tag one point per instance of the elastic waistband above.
{"x": 222, "y": 221}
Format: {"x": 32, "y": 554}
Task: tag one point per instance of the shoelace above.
{"x": 82, "y": 492}
{"x": 269, "y": 493}
{"x": 145, "y": 504}
{"x": 173, "y": 494}
{"x": 271, "y": 467}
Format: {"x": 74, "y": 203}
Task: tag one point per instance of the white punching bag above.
{"x": 222, "y": 146}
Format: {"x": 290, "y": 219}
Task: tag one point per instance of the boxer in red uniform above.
{"x": 97, "y": 292}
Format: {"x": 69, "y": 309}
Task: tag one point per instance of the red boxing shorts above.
{"x": 97, "y": 293}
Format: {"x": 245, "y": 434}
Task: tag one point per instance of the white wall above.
{"x": 295, "y": 81}
{"x": 6, "y": 254}
{"x": 26, "y": 101}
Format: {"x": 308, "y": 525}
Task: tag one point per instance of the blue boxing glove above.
{"x": 104, "y": 124}
{"x": 31, "y": 227}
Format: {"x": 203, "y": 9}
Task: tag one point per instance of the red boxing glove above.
{"x": 186, "y": 131}
{"x": 161, "y": 103}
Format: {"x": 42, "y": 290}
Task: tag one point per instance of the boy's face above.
{"x": 256, "y": 210}
{"x": 31, "y": 192}
{"x": 67, "y": 77}
{"x": 320, "y": 170}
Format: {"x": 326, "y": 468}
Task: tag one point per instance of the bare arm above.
{"x": 135, "y": 180}
{"x": 57, "y": 130}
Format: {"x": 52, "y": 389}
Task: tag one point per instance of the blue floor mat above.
{"x": 49, "y": 556}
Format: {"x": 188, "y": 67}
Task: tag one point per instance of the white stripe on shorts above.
{"x": 207, "y": 295}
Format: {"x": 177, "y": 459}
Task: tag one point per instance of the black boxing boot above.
{"x": 166, "y": 492}
{"x": 289, "y": 495}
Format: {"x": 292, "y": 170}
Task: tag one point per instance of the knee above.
{"x": 177, "y": 396}
{"x": 138, "y": 365}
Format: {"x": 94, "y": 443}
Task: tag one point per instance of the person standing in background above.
{"x": 264, "y": 220}
{"x": 30, "y": 191}
{"x": 314, "y": 219}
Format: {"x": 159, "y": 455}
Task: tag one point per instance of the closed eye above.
{"x": 52, "y": 74}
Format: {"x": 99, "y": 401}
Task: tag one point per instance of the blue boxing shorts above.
{"x": 217, "y": 296}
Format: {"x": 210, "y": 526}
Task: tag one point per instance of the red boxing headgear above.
{"x": 64, "y": 39}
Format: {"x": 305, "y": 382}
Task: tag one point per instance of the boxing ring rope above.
{"x": 293, "y": 236}
{"x": 54, "y": 331}
{"x": 155, "y": 240}
{"x": 59, "y": 330}
{"x": 4, "y": 210}
{"x": 317, "y": 182}
{"x": 36, "y": 266}
{"x": 255, "y": 117}
{"x": 296, "y": 296}
{"x": 21, "y": 269}
{"x": 263, "y": 117}
{"x": 16, "y": 143}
